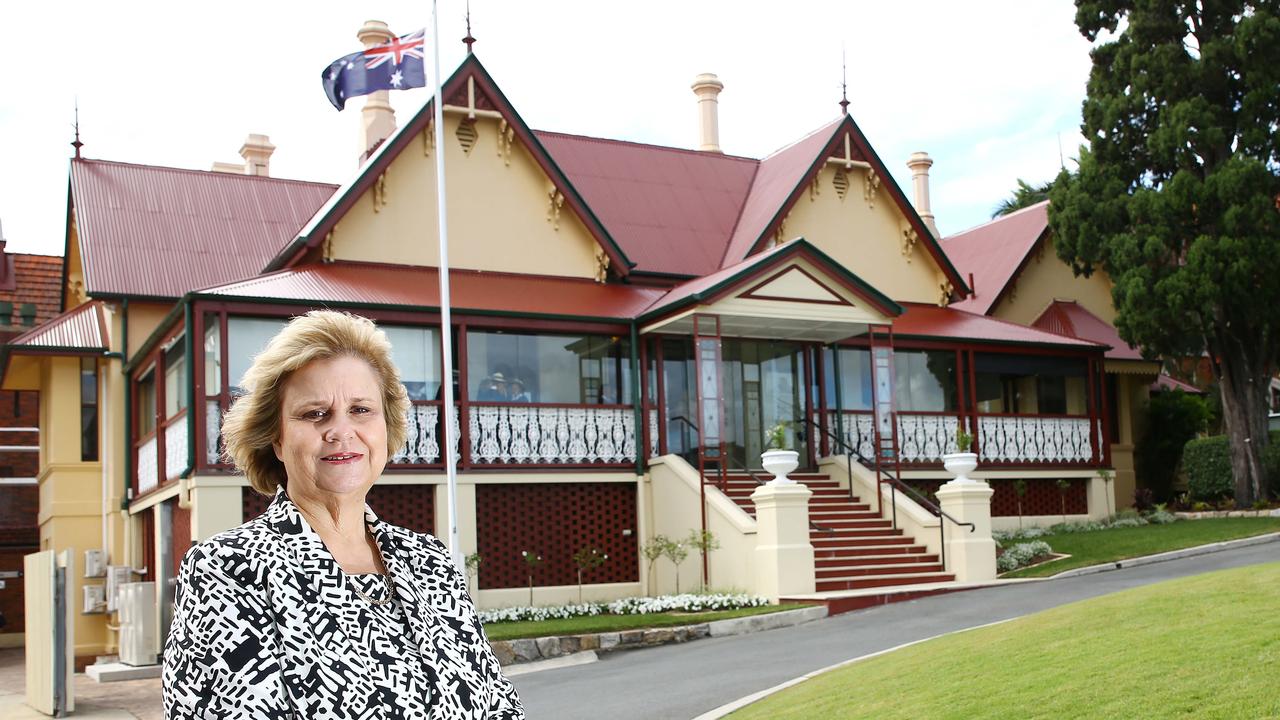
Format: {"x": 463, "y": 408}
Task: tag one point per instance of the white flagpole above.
{"x": 446, "y": 324}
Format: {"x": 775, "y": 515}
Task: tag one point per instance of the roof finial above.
{"x": 468, "y": 40}
{"x": 844, "y": 82}
{"x": 76, "y": 143}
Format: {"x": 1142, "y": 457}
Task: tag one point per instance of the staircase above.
{"x": 857, "y": 548}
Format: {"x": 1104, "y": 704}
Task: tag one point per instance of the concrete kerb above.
{"x": 1171, "y": 555}
{"x": 526, "y": 655}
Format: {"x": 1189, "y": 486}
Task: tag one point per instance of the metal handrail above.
{"x": 750, "y": 473}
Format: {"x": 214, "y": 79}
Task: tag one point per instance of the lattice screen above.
{"x": 1042, "y": 496}
{"x": 409, "y": 506}
{"x": 555, "y": 520}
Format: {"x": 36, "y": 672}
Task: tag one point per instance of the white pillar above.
{"x": 920, "y": 162}
{"x": 707, "y": 87}
{"x": 784, "y": 557}
{"x": 971, "y": 556}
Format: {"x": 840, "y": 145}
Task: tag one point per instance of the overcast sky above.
{"x": 991, "y": 89}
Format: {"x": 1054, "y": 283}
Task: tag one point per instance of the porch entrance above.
{"x": 761, "y": 384}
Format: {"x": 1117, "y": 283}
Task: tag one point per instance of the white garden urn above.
{"x": 960, "y": 465}
{"x": 779, "y": 463}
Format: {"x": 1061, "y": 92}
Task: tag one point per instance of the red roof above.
{"x": 83, "y": 328}
{"x": 359, "y": 283}
{"x": 779, "y": 176}
{"x": 37, "y": 280}
{"x": 931, "y": 321}
{"x": 1067, "y": 317}
{"x": 161, "y": 232}
{"x": 671, "y": 210}
{"x": 994, "y": 253}
{"x": 1165, "y": 383}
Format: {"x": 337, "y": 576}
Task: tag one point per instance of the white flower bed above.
{"x": 1022, "y": 554}
{"x": 688, "y": 602}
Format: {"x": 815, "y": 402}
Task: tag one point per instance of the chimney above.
{"x": 707, "y": 87}
{"x": 256, "y": 152}
{"x": 8, "y": 279}
{"x": 378, "y": 119}
{"x": 920, "y": 163}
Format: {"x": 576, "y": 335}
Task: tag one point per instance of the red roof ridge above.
{"x": 194, "y": 171}
{"x": 825, "y": 126}
{"x": 907, "y": 303}
{"x": 655, "y": 146}
{"x": 994, "y": 221}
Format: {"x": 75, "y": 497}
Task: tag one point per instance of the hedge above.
{"x": 1207, "y": 462}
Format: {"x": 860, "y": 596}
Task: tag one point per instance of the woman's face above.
{"x": 333, "y": 430}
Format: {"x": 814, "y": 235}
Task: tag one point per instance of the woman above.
{"x": 318, "y": 609}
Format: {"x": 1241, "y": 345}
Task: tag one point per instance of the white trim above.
{"x": 19, "y": 448}
{"x": 18, "y": 481}
{"x": 19, "y": 429}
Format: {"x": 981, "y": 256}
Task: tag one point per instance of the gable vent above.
{"x": 467, "y": 134}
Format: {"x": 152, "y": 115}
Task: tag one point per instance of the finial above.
{"x": 844, "y": 83}
{"x": 468, "y": 40}
{"x": 76, "y": 143}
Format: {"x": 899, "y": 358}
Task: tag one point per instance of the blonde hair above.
{"x": 252, "y": 425}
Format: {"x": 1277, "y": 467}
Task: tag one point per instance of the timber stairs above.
{"x": 854, "y": 547}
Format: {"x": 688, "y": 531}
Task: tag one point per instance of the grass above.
{"x": 1103, "y": 546}
{"x": 1204, "y": 647}
{"x": 618, "y": 623}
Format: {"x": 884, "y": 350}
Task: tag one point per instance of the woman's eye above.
{"x": 361, "y": 410}
{"x": 313, "y": 415}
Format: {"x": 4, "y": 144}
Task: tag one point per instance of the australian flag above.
{"x": 396, "y": 65}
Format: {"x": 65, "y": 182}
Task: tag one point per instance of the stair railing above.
{"x": 735, "y": 465}
{"x": 894, "y": 485}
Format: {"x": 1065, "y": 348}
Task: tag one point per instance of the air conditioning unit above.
{"x": 137, "y": 603}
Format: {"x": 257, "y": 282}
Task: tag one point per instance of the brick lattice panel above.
{"x": 1042, "y": 498}
{"x": 409, "y": 506}
{"x": 555, "y": 520}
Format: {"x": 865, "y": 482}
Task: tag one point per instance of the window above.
{"x": 175, "y": 379}
{"x": 416, "y": 353}
{"x": 925, "y": 380}
{"x": 511, "y": 367}
{"x": 88, "y": 409}
{"x": 1029, "y": 385}
{"x": 246, "y": 337}
{"x": 146, "y": 411}
{"x": 854, "y": 377}
{"x": 212, "y": 355}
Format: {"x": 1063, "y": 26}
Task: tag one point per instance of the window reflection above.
{"x": 522, "y": 368}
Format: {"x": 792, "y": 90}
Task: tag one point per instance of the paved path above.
{"x": 683, "y": 681}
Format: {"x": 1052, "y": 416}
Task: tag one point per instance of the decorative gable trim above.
{"x": 775, "y": 288}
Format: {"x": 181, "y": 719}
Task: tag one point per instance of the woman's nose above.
{"x": 339, "y": 429}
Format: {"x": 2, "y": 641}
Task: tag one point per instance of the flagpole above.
{"x": 446, "y": 323}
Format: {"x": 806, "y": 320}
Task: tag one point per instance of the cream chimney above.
{"x": 707, "y": 87}
{"x": 377, "y": 120}
{"x": 920, "y": 163}
{"x": 256, "y": 152}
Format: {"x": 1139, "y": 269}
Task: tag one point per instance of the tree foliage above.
{"x": 1024, "y": 196}
{"x": 1176, "y": 192}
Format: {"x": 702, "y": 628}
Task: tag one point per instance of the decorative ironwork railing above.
{"x": 926, "y": 438}
{"x": 146, "y": 464}
{"x": 175, "y": 448}
{"x": 555, "y": 435}
{"x": 213, "y": 432}
{"x": 652, "y": 414}
{"x": 423, "y": 446}
{"x": 1035, "y": 439}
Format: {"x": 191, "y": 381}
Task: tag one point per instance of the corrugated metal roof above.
{"x": 994, "y": 252}
{"x": 80, "y": 328}
{"x": 1165, "y": 383}
{"x": 777, "y": 178}
{"x": 672, "y": 210}
{"x": 1067, "y": 317}
{"x": 931, "y": 321}
{"x": 158, "y": 231}
{"x": 418, "y": 287}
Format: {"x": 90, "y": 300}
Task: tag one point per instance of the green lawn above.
{"x": 617, "y": 623}
{"x": 1203, "y": 647}
{"x": 1093, "y": 548}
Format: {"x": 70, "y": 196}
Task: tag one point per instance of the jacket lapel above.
{"x": 322, "y": 665}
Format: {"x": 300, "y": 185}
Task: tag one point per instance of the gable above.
{"x": 495, "y": 202}
{"x": 1044, "y": 278}
{"x": 795, "y": 284}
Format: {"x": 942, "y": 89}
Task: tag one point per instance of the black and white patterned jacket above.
{"x": 254, "y": 635}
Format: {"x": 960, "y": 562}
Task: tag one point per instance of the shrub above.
{"x": 1076, "y": 527}
{"x": 1173, "y": 419}
{"x": 1207, "y": 462}
{"x": 1128, "y": 522}
{"x": 1022, "y": 554}
{"x": 1161, "y": 517}
{"x": 626, "y": 606}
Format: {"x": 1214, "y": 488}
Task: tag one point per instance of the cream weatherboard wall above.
{"x": 1046, "y": 278}
{"x": 865, "y": 232}
{"x": 504, "y": 213}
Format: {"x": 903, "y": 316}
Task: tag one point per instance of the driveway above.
{"x": 683, "y": 681}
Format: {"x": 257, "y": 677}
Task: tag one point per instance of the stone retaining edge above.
{"x": 526, "y": 650}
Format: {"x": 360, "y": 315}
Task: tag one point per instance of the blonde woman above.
{"x": 317, "y": 609}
